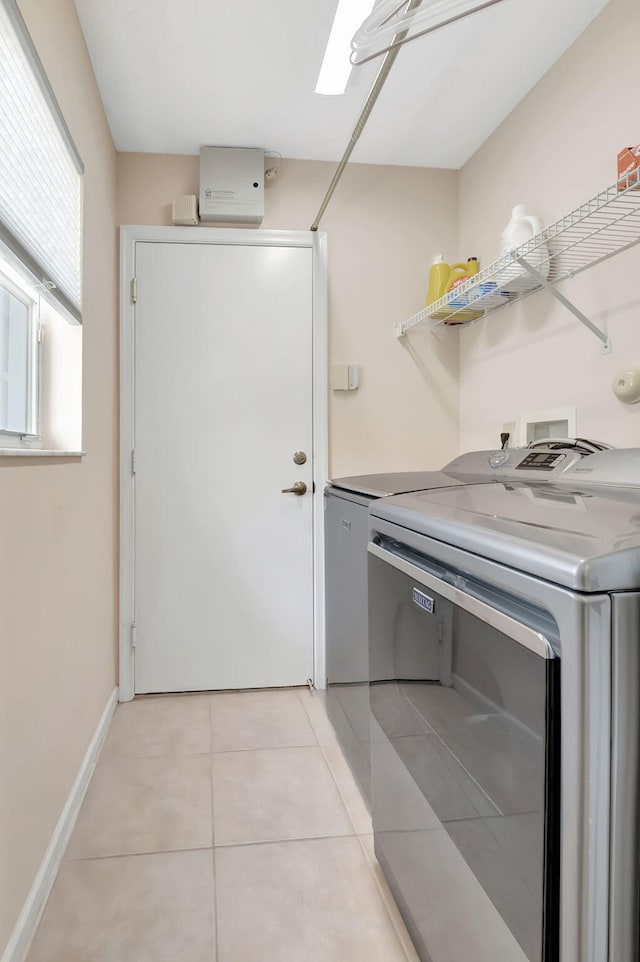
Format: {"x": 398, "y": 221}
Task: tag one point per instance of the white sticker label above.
{"x": 423, "y": 601}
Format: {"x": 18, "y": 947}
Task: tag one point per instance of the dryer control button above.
{"x": 499, "y": 458}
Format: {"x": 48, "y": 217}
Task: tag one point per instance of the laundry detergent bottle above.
{"x": 462, "y": 272}
{"x": 444, "y": 279}
{"x": 522, "y": 228}
{"x": 439, "y": 275}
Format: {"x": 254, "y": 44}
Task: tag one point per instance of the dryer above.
{"x": 506, "y": 619}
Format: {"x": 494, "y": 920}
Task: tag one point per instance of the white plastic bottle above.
{"x": 520, "y": 229}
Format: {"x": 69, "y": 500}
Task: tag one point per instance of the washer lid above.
{"x": 587, "y": 539}
{"x": 399, "y": 482}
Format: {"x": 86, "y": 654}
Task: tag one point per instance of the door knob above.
{"x": 298, "y": 487}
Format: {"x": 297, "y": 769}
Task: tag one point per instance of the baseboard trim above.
{"x": 27, "y": 923}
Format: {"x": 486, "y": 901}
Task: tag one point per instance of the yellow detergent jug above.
{"x": 439, "y": 277}
{"x": 446, "y": 278}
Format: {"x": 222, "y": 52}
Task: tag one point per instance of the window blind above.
{"x": 40, "y": 170}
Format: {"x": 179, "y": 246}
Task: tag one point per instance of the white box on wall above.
{"x": 232, "y": 185}
{"x": 554, "y": 423}
{"x": 184, "y": 209}
{"x": 344, "y": 377}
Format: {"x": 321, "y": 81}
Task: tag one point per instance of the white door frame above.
{"x": 129, "y": 237}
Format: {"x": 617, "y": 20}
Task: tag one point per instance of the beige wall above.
{"x": 556, "y": 149}
{"x": 58, "y": 524}
{"x": 383, "y": 225}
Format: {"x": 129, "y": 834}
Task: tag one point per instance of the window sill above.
{"x": 38, "y": 453}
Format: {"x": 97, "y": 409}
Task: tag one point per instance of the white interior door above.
{"x": 223, "y": 400}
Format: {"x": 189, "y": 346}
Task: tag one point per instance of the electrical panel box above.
{"x": 232, "y": 185}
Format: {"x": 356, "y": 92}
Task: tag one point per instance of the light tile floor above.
{"x": 222, "y": 828}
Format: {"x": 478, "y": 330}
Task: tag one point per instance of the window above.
{"x": 40, "y": 254}
{"x": 40, "y": 170}
{"x": 18, "y": 362}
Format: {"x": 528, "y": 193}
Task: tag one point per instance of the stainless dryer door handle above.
{"x": 298, "y": 487}
{"x": 518, "y": 632}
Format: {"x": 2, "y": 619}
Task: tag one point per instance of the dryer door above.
{"x": 465, "y": 762}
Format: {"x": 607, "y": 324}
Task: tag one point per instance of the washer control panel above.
{"x": 541, "y": 461}
{"x": 515, "y": 464}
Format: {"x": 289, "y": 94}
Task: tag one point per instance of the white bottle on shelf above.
{"x": 520, "y": 229}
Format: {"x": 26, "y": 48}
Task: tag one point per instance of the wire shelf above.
{"x": 602, "y": 227}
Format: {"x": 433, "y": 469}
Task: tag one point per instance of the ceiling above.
{"x": 177, "y": 74}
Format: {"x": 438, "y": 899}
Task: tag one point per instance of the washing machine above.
{"x": 504, "y": 664}
{"x": 346, "y": 525}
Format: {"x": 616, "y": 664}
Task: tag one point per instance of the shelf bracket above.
{"x": 566, "y": 303}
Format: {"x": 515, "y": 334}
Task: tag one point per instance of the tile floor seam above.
{"x": 114, "y": 755}
{"x": 308, "y": 714}
{"x": 385, "y": 894}
{"x": 151, "y": 851}
{"x": 342, "y": 798}
{"x": 262, "y": 748}
{"x": 213, "y": 833}
{"x": 493, "y": 815}
{"x": 282, "y": 841}
{"x": 212, "y": 693}
{"x": 216, "y": 920}
{"x": 268, "y": 748}
{"x": 160, "y": 851}
{"x": 216, "y": 926}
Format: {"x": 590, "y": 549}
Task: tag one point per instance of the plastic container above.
{"x": 439, "y": 275}
{"x": 443, "y": 281}
{"x": 445, "y": 277}
{"x": 462, "y": 272}
{"x": 520, "y": 230}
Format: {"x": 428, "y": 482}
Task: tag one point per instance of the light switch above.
{"x": 344, "y": 377}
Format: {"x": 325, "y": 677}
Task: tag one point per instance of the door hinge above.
{"x": 134, "y": 290}
{"x": 134, "y": 632}
{"x": 40, "y": 335}
{"x": 133, "y": 461}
